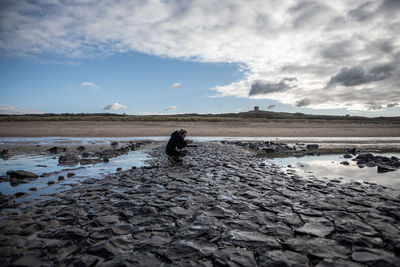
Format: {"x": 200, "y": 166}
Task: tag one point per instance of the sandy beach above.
{"x": 234, "y": 129}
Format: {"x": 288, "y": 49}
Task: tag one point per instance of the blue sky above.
{"x": 165, "y": 57}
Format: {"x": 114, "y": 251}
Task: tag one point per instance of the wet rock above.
{"x": 20, "y": 174}
{"x": 33, "y": 189}
{"x": 50, "y": 182}
{"x": 65, "y": 233}
{"x": 283, "y": 258}
{"x": 19, "y": 194}
{"x": 119, "y": 169}
{"x": 248, "y": 239}
{"x": 121, "y": 229}
{"x": 68, "y": 159}
{"x": 312, "y": 147}
{"x": 374, "y": 257}
{"x": 56, "y": 150}
{"x": 139, "y": 259}
{"x": 81, "y": 148}
{"x": 4, "y": 178}
{"x": 348, "y": 225}
{"x": 190, "y": 249}
{"x": 60, "y": 178}
{"x": 3, "y": 199}
{"x": 356, "y": 239}
{"x": 345, "y": 163}
{"x": 353, "y": 151}
{"x": 320, "y": 228}
{"x": 114, "y": 144}
{"x": 338, "y": 262}
{"x": 347, "y": 156}
{"x": 234, "y": 257}
{"x": 4, "y": 154}
{"x": 70, "y": 174}
{"x": 105, "y": 250}
{"x": 86, "y": 161}
{"x": 86, "y": 154}
{"x": 318, "y": 247}
{"x": 105, "y": 159}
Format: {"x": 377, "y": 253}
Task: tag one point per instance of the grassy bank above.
{"x": 251, "y": 116}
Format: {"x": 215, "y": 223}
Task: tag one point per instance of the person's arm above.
{"x": 181, "y": 143}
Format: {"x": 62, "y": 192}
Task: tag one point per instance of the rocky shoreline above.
{"x": 222, "y": 207}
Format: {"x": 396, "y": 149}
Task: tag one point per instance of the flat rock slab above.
{"x": 221, "y": 207}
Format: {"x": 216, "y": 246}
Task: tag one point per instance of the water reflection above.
{"x": 329, "y": 167}
{"x": 40, "y": 164}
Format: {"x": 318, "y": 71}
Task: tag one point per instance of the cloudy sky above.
{"x": 203, "y": 56}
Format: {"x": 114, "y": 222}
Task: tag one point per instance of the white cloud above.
{"x": 17, "y": 111}
{"x": 175, "y": 86}
{"x": 171, "y": 108}
{"x": 311, "y": 41}
{"x": 115, "y": 106}
{"x": 92, "y": 86}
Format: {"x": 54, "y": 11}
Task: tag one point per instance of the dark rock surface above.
{"x": 68, "y": 159}
{"x": 220, "y": 208}
{"x": 383, "y": 164}
{"x": 21, "y": 177}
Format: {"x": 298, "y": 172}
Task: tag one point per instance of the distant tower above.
{"x": 256, "y": 108}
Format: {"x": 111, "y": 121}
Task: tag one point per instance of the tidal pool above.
{"x": 329, "y": 167}
{"x": 40, "y": 164}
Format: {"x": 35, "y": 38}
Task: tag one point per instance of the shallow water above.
{"x": 40, "y": 164}
{"x": 395, "y": 141}
{"x": 329, "y": 167}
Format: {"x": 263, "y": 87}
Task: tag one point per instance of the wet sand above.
{"x": 234, "y": 129}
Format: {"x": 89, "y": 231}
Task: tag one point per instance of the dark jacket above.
{"x": 176, "y": 141}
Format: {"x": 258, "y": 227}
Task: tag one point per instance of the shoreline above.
{"x": 228, "y": 129}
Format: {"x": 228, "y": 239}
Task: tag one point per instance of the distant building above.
{"x": 256, "y": 108}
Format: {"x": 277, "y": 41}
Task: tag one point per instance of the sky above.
{"x": 142, "y": 57}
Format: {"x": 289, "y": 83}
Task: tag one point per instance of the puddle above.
{"x": 40, "y": 164}
{"x": 329, "y": 167}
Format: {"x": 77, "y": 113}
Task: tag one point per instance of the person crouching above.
{"x": 177, "y": 140}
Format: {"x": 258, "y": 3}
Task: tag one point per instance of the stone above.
{"x": 81, "y": 148}
{"x": 345, "y": 163}
{"x": 20, "y": 174}
{"x": 56, "y": 150}
{"x": 65, "y": 233}
{"x": 282, "y": 258}
{"x": 374, "y": 257}
{"x": 347, "y": 156}
{"x": 249, "y": 239}
{"x": 320, "y": 229}
{"x": 114, "y": 144}
{"x": 68, "y": 159}
{"x": 121, "y": 229}
{"x": 352, "y": 151}
{"x": 318, "y": 247}
{"x": 338, "y": 262}
{"x": 60, "y": 178}
{"x": 312, "y": 147}
{"x": 70, "y": 174}
{"x": 190, "y": 249}
{"x": 86, "y": 161}
{"x": 234, "y": 257}
{"x": 50, "y": 182}
{"x": 86, "y": 154}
